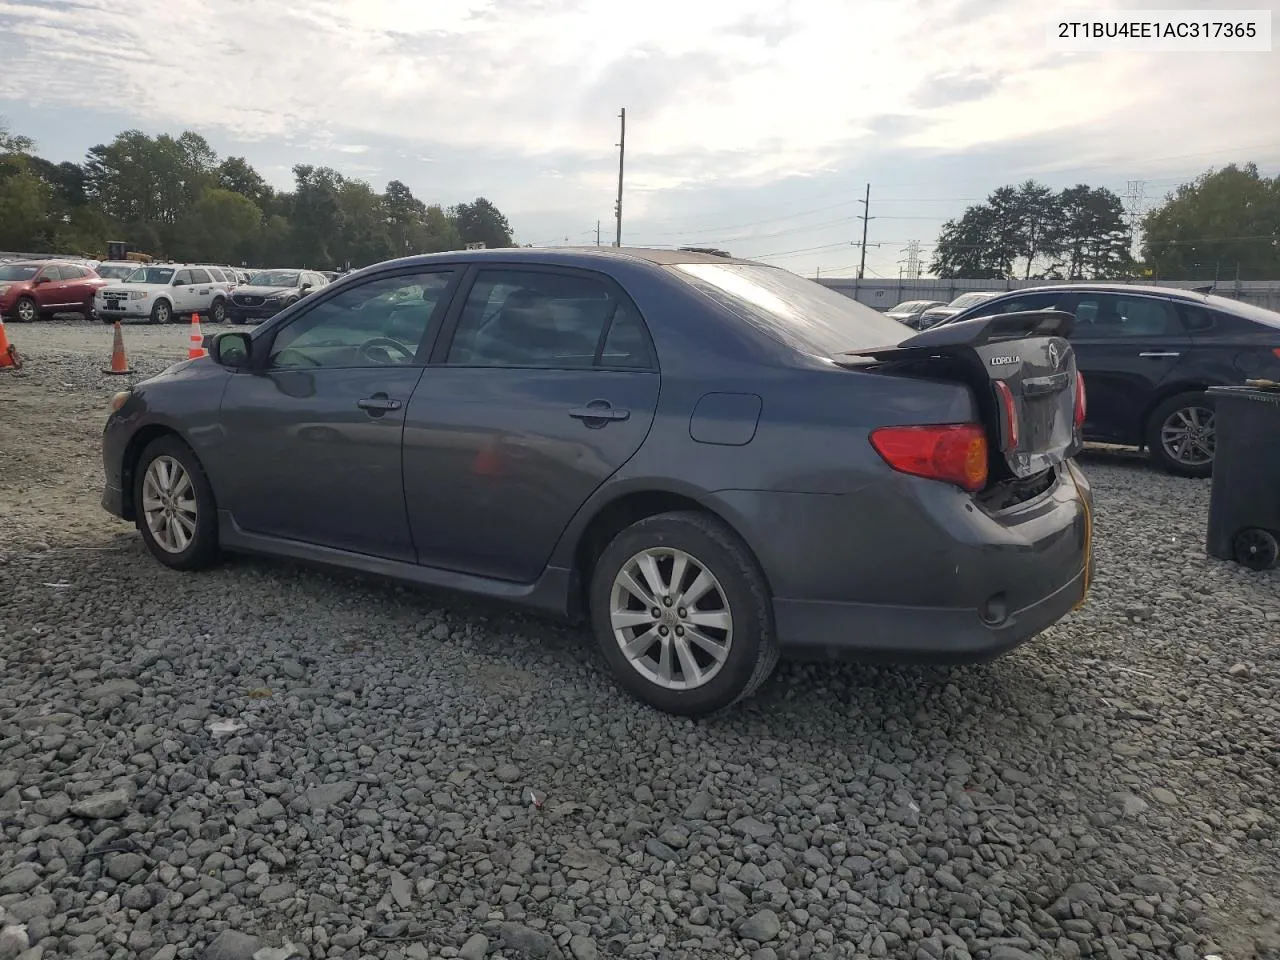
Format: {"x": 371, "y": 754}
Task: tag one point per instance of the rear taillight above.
{"x": 1080, "y": 399}
{"x": 1010, "y": 412}
{"x": 951, "y": 452}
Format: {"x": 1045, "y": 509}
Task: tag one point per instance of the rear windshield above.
{"x": 18, "y": 271}
{"x": 1240, "y": 308}
{"x": 909, "y": 306}
{"x": 969, "y": 299}
{"x": 115, "y": 271}
{"x": 802, "y": 314}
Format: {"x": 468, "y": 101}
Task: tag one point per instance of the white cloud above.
{"x": 717, "y": 91}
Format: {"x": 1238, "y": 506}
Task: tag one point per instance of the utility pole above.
{"x": 866, "y": 218}
{"x": 597, "y": 233}
{"x": 622, "y": 154}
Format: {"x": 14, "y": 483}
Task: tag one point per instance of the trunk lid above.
{"x": 1022, "y": 371}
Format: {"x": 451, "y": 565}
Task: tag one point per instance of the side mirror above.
{"x": 305, "y": 287}
{"x": 232, "y": 349}
{"x": 40, "y": 280}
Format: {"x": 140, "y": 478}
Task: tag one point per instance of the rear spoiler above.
{"x": 979, "y": 332}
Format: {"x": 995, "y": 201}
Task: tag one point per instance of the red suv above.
{"x": 33, "y": 289}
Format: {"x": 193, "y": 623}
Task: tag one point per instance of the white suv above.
{"x": 162, "y": 292}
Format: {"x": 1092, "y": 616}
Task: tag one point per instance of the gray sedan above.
{"x": 713, "y": 462}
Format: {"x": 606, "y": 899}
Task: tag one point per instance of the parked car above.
{"x": 164, "y": 292}
{"x": 935, "y": 315}
{"x": 35, "y": 289}
{"x": 714, "y": 461}
{"x": 910, "y": 311}
{"x": 270, "y": 291}
{"x": 1149, "y": 354}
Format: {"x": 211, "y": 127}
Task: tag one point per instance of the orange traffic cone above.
{"x": 196, "y": 349}
{"x": 119, "y": 362}
{"x": 8, "y": 352}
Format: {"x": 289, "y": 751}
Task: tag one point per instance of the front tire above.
{"x": 174, "y": 507}
{"x": 682, "y": 614}
{"x": 161, "y": 312}
{"x": 1181, "y": 434}
{"x": 26, "y": 310}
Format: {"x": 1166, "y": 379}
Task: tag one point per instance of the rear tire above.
{"x": 717, "y": 645}
{"x": 218, "y": 311}
{"x": 187, "y": 506}
{"x": 1181, "y": 434}
{"x": 162, "y": 312}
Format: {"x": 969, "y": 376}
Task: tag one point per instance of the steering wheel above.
{"x": 385, "y": 345}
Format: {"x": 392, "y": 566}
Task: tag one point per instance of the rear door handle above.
{"x": 380, "y": 403}
{"x": 1159, "y": 354}
{"x": 599, "y": 410}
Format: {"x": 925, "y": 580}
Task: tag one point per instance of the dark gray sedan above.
{"x": 713, "y": 461}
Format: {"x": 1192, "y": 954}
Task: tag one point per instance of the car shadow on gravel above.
{"x": 525, "y": 653}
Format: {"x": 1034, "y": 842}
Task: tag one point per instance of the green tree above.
{"x": 222, "y": 226}
{"x": 12, "y": 142}
{"x": 1094, "y": 241}
{"x": 316, "y": 220}
{"x": 236, "y": 174}
{"x": 1223, "y": 224}
{"x": 482, "y": 222}
{"x": 25, "y": 223}
{"x": 363, "y": 238}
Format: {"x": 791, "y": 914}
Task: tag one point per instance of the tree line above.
{"x": 1223, "y": 225}
{"x": 174, "y": 198}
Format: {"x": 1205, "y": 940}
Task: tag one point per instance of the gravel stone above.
{"x": 1103, "y": 791}
{"x": 762, "y": 926}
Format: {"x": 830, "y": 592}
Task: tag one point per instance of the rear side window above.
{"x": 548, "y": 320}
{"x": 802, "y": 314}
{"x": 1113, "y": 316}
{"x": 199, "y": 276}
{"x": 218, "y": 276}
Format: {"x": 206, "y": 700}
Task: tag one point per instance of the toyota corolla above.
{"x": 712, "y": 462}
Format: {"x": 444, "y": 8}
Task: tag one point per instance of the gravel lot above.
{"x": 1109, "y": 790}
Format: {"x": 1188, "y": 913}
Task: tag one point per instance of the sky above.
{"x": 752, "y": 125}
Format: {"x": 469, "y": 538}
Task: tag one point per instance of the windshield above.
{"x": 116, "y": 271}
{"x": 150, "y": 275}
{"x": 274, "y": 278}
{"x": 18, "y": 271}
{"x": 805, "y": 315}
{"x": 909, "y": 306}
{"x": 969, "y": 299}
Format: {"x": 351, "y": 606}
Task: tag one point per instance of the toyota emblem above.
{"x": 1055, "y": 355}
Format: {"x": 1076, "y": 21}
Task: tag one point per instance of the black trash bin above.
{"x": 1244, "y": 506}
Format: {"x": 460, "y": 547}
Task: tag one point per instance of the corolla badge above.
{"x": 1000, "y": 361}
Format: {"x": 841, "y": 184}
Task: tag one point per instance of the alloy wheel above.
{"x": 169, "y": 503}
{"x": 671, "y": 618}
{"x": 1188, "y": 437}
{"x": 26, "y": 311}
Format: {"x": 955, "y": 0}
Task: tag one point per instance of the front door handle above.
{"x": 1157, "y": 354}
{"x": 378, "y": 403}
{"x": 599, "y": 410}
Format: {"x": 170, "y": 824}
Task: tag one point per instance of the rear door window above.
{"x": 200, "y": 276}
{"x": 1117, "y": 316}
{"x": 548, "y": 320}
